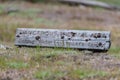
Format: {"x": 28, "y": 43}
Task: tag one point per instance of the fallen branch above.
{"x": 92, "y": 3}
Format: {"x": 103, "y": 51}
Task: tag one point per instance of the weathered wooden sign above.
{"x": 91, "y": 40}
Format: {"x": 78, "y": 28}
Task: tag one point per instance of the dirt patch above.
{"x": 98, "y": 61}
{"x": 14, "y": 74}
{"x": 77, "y": 13}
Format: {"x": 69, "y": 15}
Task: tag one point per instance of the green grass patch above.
{"x": 50, "y": 56}
{"x": 115, "y": 51}
{"x": 113, "y": 2}
{"x": 6, "y": 62}
{"x": 3, "y": 62}
{"x": 7, "y": 32}
{"x": 85, "y": 73}
{"x": 42, "y": 75}
{"x": 29, "y": 13}
{"x": 1, "y": 11}
{"x": 49, "y": 75}
{"x": 17, "y": 65}
{"x": 44, "y": 21}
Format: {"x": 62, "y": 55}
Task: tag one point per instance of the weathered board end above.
{"x": 80, "y": 39}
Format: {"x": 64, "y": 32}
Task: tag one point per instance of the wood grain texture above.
{"x": 98, "y": 40}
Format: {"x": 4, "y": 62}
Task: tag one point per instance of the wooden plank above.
{"x": 98, "y": 40}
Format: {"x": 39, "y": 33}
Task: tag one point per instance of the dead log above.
{"x": 91, "y": 3}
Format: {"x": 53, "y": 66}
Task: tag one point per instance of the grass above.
{"x": 11, "y": 63}
{"x": 29, "y": 13}
{"x": 78, "y": 74}
{"x": 115, "y": 51}
{"x": 81, "y": 73}
{"x": 54, "y": 63}
{"x": 42, "y": 74}
{"x": 17, "y": 65}
{"x": 49, "y": 75}
{"x": 113, "y": 2}
{"x": 2, "y": 62}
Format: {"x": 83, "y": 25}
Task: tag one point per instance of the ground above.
{"x": 57, "y": 63}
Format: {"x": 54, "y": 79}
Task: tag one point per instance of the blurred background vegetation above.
{"x": 115, "y": 2}
{"x": 57, "y": 63}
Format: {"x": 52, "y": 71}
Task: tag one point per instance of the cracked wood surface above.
{"x": 94, "y": 40}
